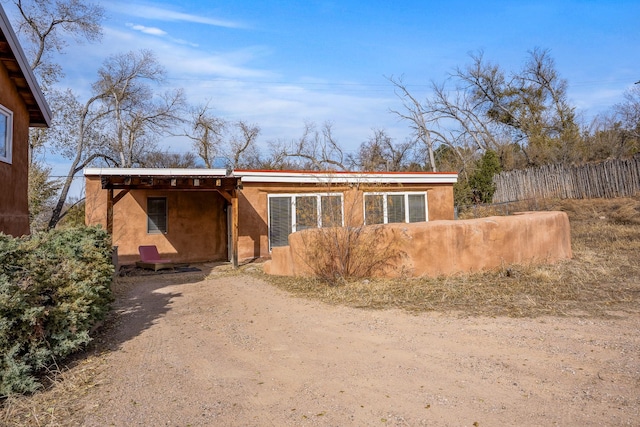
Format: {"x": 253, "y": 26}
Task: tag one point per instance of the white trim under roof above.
{"x": 288, "y": 176}
{"x": 154, "y": 172}
{"x": 10, "y": 35}
{"x": 347, "y": 177}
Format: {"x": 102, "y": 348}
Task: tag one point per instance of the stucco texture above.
{"x": 14, "y": 176}
{"x": 447, "y": 247}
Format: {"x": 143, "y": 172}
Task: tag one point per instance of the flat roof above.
{"x": 170, "y": 172}
{"x": 278, "y": 176}
{"x": 346, "y": 177}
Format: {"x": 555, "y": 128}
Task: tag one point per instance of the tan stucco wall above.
{"x": 197, "y": 227}
{"x": 196, "y": 223}
{"x": 448, "y": 247}
{"x": 14, "y": 205}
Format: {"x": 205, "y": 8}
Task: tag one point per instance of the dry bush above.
{"x": 339, "y": 254}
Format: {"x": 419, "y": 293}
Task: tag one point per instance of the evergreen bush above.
{"x": 54, "y": 288}
{"x": 481, "y": 181}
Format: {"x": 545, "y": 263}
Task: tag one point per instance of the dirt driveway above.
{"x": 235, "y": 351}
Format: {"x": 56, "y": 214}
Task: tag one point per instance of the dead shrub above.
{"x": 340, "y": 254}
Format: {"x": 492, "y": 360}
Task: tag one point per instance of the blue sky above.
{"x": 279, "y": 63}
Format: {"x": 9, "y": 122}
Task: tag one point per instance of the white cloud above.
{"x": 161, "y": 14}
{"x": 148, "y": 30}
{"x": 154, "y": 31}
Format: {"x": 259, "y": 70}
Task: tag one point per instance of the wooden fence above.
{"x": 608, "y": 179}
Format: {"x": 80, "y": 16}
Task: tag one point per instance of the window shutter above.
{"x": 279, "y": 221}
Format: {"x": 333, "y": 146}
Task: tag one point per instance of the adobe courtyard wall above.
{"x": 447, "y": 247}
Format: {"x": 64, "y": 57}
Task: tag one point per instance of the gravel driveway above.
{"x": 231, "y": 350}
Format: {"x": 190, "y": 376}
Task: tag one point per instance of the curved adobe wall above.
{"x": 447, "y": 247}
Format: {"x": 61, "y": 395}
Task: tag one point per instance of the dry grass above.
{"x": 601, "y": 280}
{"x": 60, "y": 403}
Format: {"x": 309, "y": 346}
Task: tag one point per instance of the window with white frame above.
{"x": 289, "y": 213}
{"x": 156, "y": 215}
{"x": 6, "y": 134}
{"x": 388, "y": 208}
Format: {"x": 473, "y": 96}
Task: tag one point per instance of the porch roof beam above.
{"x": 170, "y": 183}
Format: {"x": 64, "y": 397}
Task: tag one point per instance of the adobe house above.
{"x": 22, "y": 105}
{"x": 195, "y": 215}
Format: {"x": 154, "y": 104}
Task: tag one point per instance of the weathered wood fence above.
{"x": 608, "y": 179}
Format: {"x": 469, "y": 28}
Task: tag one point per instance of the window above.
{"x": 6, "y": 137}
{"x": 417, "y": 207}
{"x": 331, "y": 211}
{"x": 388, "y": 208}
{"x": 156, "y": 215}
{"x": 289, "y": 213}
{"x": 306, "y": 212}
{"x": 374, "y": 209}
{"x": 280, "y": 225}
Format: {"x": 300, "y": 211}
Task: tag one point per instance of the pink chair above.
{"x": 150, "y": 258}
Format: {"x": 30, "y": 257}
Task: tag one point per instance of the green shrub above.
{"x": 54, "y": 287}
{"x": 481, "y": 181}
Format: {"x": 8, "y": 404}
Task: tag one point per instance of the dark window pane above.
{"x": 395, "y": 208}
{"x": 279, "y": 221}
{"x": 373, "y": 209}
{"x": 306, "y": 212}
{"x": 417, "y": 208}
{"x": 4, "y": 136}
{"x": 157, "y": 215}
{"x": 331, "y": 211}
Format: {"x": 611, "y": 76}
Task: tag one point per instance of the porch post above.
{"x": 110, "y": 211}
{"x": 234, "y": 228}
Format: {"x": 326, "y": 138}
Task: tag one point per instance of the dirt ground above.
{"x": 232, "y": 350}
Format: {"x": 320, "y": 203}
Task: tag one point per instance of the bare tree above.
{"x": 242, "y": 145}
{"x": 76, "y": 133}
{"x": 522, "y": 115}
{"x": 418, "y": 118}
{"x": 380, "y": 153}
{"x": 313, "y": 150}
{"x": 115, "y": 122}
{"x": 166, "y": 159}
{"x": 46, "y": 22}
{"x": 207, "y": 133}
{"x": 530, "y": 104}
{"x": 138, "y": 116}
{"x": 628, "y": 112}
